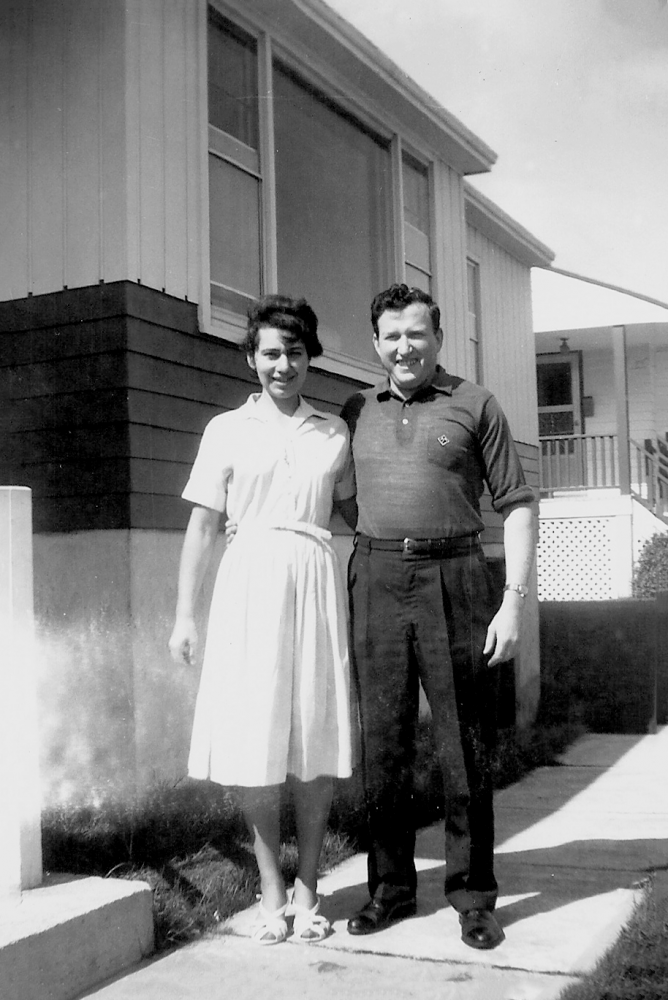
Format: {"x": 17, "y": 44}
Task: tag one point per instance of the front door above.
{"x": 559, "y": 417}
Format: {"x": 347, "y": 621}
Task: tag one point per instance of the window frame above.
{"x": 474, "y": 357}
{"x": 228, "y": 325}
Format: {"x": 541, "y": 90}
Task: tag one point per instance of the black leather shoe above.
{"x": 480, "y": 929}
{"x": 377, "y": 915}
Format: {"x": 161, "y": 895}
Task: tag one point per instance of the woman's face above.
{"x": 281, "y": 365}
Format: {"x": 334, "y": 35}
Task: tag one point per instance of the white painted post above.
{"x": 20, "y": 806}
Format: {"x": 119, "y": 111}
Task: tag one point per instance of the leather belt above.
{"x": 458, "y": 545}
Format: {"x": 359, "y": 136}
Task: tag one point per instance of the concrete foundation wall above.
{"x": 115, "y": 711}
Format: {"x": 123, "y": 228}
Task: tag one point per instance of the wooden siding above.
{"x": 506, "y": 338}
{"x": 647, "y": 386}
{"x": 108, "y": 391}
{"x": 450, "y": 265}
{"x": 104, "y": 178}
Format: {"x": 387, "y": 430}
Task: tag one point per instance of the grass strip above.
{"x": 190, "y": 844}
{"x": 636, "y": 967}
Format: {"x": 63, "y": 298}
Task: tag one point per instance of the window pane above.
{"x": 333, "y": 214}
{"x": 234, "y": 198}
{"x": 233, "y": 96}
{"x": 555, "y": 423}
{"x": 554, "y": 384}
{"x": 416, "y": 195}
{"x": 417, "y": 248}
{"x": 418, "y": 279}
{"x": 474, "y": 321}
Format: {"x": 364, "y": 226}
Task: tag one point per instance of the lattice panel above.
{"x": 574, "y": 560}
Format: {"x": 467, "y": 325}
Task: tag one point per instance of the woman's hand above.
{"x": 183, "y": 641}
{"x": 230, "y": 531}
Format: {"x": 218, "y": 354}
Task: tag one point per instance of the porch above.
{"x": 576, "y": 462}
{"x": 599, "y": 503}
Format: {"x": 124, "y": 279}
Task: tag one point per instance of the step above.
{"x": 71, "y": 933}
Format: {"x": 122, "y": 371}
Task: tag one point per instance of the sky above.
{"x": 572, "y": 95}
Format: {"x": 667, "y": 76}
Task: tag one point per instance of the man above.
{"x": 422, "y": 606}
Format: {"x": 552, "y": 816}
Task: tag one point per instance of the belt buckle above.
{"x": 409, "y": 546}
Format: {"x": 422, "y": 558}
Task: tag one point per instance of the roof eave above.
{"x": 491, "y": 221}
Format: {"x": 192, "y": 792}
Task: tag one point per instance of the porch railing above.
{"x": 591, "y": 461}
{"x": 578, "y": 461}
{"x": 649, "y": 478}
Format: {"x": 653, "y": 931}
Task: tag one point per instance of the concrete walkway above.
{"x": 575, "y": 843}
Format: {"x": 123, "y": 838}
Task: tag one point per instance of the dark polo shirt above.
{"x": 421, "y": 464}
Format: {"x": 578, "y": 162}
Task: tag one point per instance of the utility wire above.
{"x": 605, "y": 284}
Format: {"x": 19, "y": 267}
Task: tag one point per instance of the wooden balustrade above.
{"x": 591, "y": 461}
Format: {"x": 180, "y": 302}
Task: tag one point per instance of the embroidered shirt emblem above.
{"x": 443, "y": 440}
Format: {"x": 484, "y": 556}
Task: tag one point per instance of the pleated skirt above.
{"x": 274, "y": 696}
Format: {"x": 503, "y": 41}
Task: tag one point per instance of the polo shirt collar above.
{"x": 441, "y": 382}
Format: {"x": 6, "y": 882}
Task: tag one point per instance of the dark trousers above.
{"x": 416, "y": 617}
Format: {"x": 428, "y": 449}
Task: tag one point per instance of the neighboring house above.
{"x": 603, "y": 421}
{"x": 169, "y": 162}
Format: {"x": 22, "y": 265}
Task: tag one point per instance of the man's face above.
{"x": 408, "y": 346}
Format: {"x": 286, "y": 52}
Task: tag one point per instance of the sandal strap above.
{"x": 273, "y": 924}
{"x": 310, "y": 920}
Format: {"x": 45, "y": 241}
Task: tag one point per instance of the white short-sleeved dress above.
{"x": 274, "y": 695}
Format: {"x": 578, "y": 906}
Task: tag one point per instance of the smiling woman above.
{"x": 274, "y": 698}
{"x": 281, "y": 366}
{"x": 281, "y": 340}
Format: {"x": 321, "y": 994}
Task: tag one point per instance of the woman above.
{"x": 274, "y": 698}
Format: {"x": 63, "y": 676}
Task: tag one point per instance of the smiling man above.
{"x": 424, "y": 445}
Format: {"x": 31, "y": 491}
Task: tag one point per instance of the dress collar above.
{"x": 256, "y": 407}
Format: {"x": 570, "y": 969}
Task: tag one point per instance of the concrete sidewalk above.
{"x": 575, "y": 843}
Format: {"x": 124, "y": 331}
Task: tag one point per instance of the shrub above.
{"x": 651, "y": 572}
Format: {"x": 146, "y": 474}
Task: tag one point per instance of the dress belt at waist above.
{"x": 455, "y": 546}
{"x": 301, "y": 527}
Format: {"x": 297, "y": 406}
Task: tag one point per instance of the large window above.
{"x": 333, "y": 201}
{"x": 305, "y": 198}
{"x": 234, "y": 167}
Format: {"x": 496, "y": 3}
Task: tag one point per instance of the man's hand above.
{"x": 183, "y": 641}
{"x": 503, "y": 633}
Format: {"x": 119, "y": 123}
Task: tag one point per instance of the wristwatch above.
{"x": 517, "y": 588}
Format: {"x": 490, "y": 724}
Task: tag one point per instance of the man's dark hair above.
{"x": 293, "y": 316}
{"x": 397, "y": 297}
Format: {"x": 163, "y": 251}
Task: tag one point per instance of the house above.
{"x": 603, "y": 422}
{"x": 169, "y": 162}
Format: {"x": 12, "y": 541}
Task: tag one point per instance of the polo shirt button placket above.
{"x": 404, "y": 432}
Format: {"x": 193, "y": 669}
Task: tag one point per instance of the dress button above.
{"x": 405, "y": 420}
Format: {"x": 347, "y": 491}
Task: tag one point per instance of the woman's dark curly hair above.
{"x": 397, "y": 297}
{"x": 293, "y": 316}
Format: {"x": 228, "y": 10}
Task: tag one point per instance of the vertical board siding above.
{"x": 112, "y": 146}
{"x": 46, "y": 144}
{"x": 82, "y": 263}
{"x": 14, "y": 176}
{"x": 507, "y": 346}
{"x": 66, "y": 179}
{"x": 151, "y": 143}
{"x": 164, "y": 146}
{"x": 450, "y": 265}
{"x": 176, "y": 143}
{"x": 103, "y": 179}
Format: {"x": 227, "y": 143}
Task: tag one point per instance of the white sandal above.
{"x": 310, "y": 925}
{"x": 270, "y": 928}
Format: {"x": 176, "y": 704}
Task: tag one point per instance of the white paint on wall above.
{"x": 20, "y": 843}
